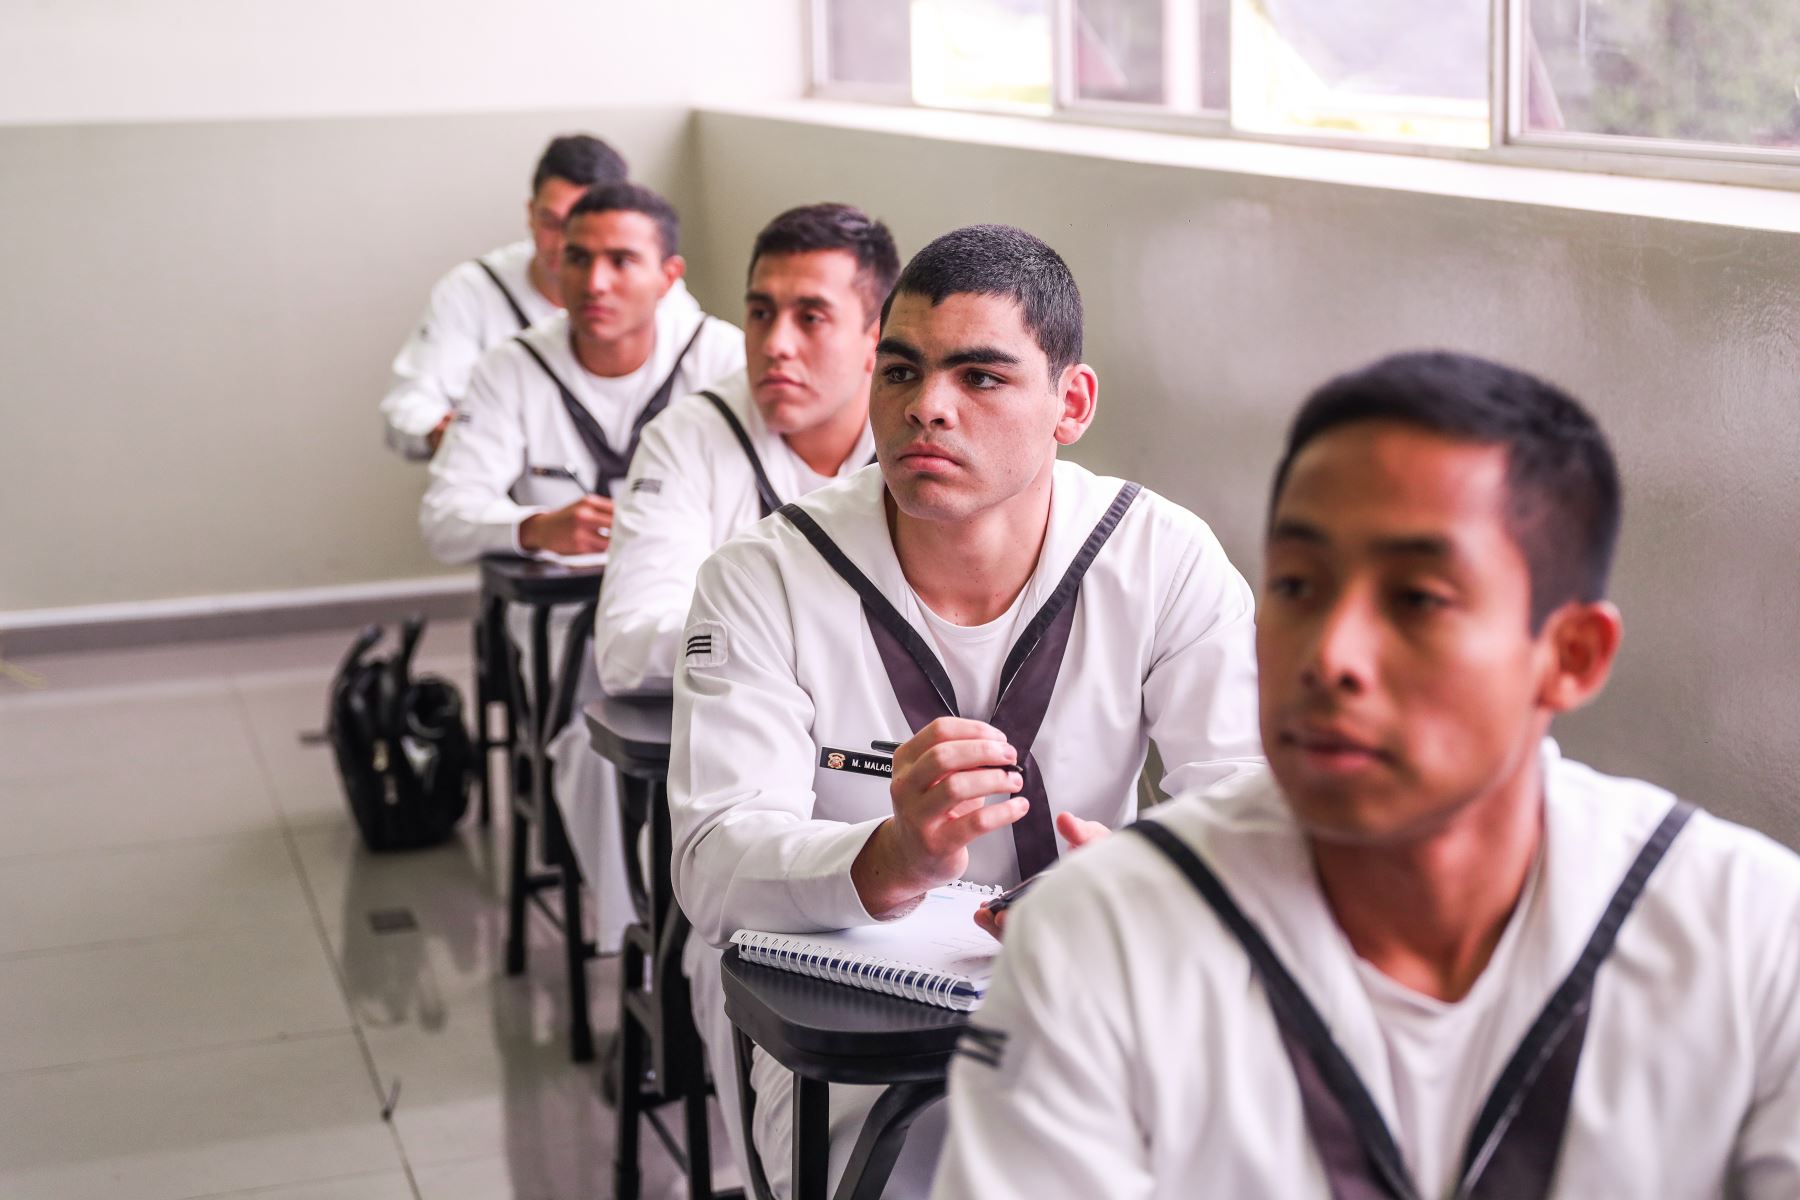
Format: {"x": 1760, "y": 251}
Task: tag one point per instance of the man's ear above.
{"x": 1080, "y": 396}
{"x": 1584, "y": 642}
{"x": 673, "y": 268}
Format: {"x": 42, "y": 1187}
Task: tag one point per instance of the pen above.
{"x": 1005, "y": 900}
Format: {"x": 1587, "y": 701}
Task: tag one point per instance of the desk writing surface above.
{"x": 536, "y": 581}
{"x": 837, "y": 1032}
{"x": 632, "y": 732}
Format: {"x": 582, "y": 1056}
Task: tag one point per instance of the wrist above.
{"x": 886, "y": 881}
{"x": 529, "y": 533}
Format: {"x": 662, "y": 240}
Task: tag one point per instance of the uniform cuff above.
{"x": 819, "y": 878}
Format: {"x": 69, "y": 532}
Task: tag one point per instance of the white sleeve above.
{"x": 1040, "y": 1099}
{"x": 467, "y": 511}
{"x": 1766, "y": 1162}
{"x": 1200, "y": 694}
{"x": 432, "y": 369}
{"x": 662, "y": 533}
{"x": 748, "y": 852}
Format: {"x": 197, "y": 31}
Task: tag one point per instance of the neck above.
{"x": 1428, "y": 913}
{"x": 621, "y": 356}
{"x": 825, "y": 446}
{"x": 970, "y": 571}
{"x": 543, "y": 284}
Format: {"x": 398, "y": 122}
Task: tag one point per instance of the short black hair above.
{"x": 633, "y": 197}
{"x": 1563, "y": 502}
{"x": 998, "y": 260}
{"x": 580, "y": 158}
{"x": 836, "y": 227}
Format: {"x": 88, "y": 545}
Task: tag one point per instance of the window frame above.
{"x": 1509, "y": 141}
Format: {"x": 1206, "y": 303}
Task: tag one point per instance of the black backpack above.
{"x": 401, "y": 747}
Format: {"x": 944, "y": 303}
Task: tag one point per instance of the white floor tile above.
{"x": 150, "y": 726}
{"x": 194, "y": 1124}
{"x": 212, "y": 886}
{"x": 102, "y": 804}
{"x": 81, "y": 1006}
{"x": 380, "y": 1185}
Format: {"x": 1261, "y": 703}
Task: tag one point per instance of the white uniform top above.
{"x": 1140, "y": 1057}
{"x": 513, "y": 423}
{"x": 765, "y": 832}
{"x": 690, "y": 489}
{"x": 464, "y": 319}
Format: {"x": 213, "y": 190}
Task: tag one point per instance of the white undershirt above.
{"x": 1432, "y": 1047}
{"x": 616, "y": 402}
{"x": 973, "y": 655}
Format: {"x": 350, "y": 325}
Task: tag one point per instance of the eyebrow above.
{"x": 1417, "y": 545}
{"x": 973, "y": 355}
{"x": 755, "y": 297}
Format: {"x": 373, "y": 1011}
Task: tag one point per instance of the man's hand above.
{"x": 435, "y": 438}
{"x": 1077, "y": 833}
{"x": 584, "y": 527}
{"x": 942, "y": 775}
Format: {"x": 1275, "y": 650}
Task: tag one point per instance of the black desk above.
{"x": 542, "y": 710}
{"x": 656, "y": 1025}
{"x": 829, "y": 1033}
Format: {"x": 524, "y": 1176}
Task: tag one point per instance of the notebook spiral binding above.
{"x": 796, "y": 953}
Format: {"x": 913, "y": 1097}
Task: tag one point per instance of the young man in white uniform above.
{"x": 969, "y": 539}
{"x": 718, "y": 461}
{"x": 479, "y": 304}
{"x": 1398, "y": 980}
{"x": 546, "y": 436}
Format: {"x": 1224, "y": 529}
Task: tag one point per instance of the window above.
{"x": 1514, "y": 79}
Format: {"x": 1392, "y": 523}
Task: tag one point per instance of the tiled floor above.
{"x": 192, "y": 1001}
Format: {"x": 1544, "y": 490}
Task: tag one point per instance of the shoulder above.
{"x": 1125, "y": 884}
{"x": 692, "y": 425}
{"x": 774, "y": 548}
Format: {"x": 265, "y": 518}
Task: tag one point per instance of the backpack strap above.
{"x": 505, "y": 294}
{"x": 765, "y": 491}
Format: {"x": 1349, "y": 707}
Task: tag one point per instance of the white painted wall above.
{"x": 1217, "y": 299}
{"x": 163, "y": 60}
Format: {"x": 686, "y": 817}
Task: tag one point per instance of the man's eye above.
{"x": 1288, "y": 587}
{"x": 758, "y": 313}
{"x": 897, "y": 373}
{"x": 1419, "y": 600}
{"x": 983, "y": 380}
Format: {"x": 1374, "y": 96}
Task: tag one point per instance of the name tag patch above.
{"x": 706, "y": 645}
{"x": 859, "y": 761}
{"x": 646, "y": 487}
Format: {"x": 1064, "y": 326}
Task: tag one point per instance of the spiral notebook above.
{"x": 935, "y": 954}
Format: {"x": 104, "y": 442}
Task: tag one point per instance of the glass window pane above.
{"x": 982, "y": 53}
{"x": 868, "y": 42}
{"x": 1696, "y": 70}
{"x": 1398, "y": 70}
{"x": 1118, "y": 50}
{"x": 1172, "y": 53}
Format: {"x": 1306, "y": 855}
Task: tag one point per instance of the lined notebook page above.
{"x": 935, "y": 954}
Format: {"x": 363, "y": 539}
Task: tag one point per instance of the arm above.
{"x": 467, "y": 511}
{"x": 1766, "y": 1162}
{"x": 748, "y": 852}
{"x": 431, "y": 372}
{"x": 662, "y": 533}
{"x": 1200, "y": 694}
{"x": 1041, "y": 1097}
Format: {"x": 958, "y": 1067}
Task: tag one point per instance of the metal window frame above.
{"x": 1510, "y": 142}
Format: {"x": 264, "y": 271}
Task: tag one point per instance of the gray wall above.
{"x": 196, "y": 327}
{"x": 1217, "y": 300}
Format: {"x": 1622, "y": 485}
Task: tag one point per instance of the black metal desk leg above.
{"x": 626, "y": 1178}
{"x": 518, "y": 846}
{"x": 483, "y": 699}
{"x": 883, "y": 1133}
{"x": 575, "y": 943}
{"x": 746, "y": 1057}
{"x": 812, "y": 1139}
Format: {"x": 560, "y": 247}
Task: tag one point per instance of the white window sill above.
{"x": 1663, "y": 199}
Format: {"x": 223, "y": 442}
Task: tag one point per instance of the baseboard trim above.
{"x": 243, "y": 614}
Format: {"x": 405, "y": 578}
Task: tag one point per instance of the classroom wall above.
{"x": 219, "y": 220}
{"x": 1216, "y": 300}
